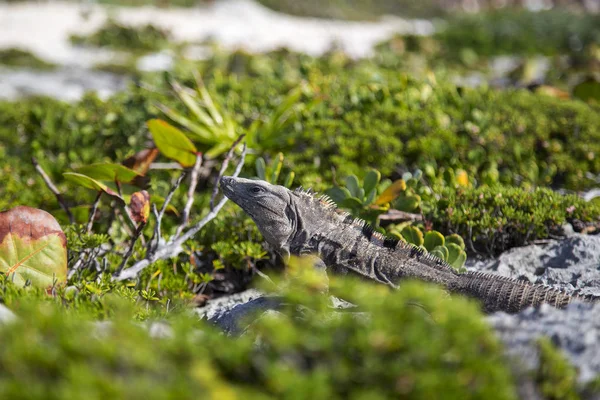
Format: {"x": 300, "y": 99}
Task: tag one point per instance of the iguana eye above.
{"x": 256, "y": 189}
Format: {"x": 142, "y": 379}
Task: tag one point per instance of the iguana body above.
{"x": 300, "y": 223}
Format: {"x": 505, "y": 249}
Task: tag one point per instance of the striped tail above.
{"x": 498, "y": 293}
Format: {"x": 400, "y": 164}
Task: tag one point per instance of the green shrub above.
{"x": 555, "y": 377}
{"x": 496, "y": 219}
{"x": 304, "y": 351}
{"x": 63, "y": 137}
{"x": 14, "y": 57}
{"x": 118, "y": 36}
{"x": 356, "y": 10}
{"x": 518, "y": 32}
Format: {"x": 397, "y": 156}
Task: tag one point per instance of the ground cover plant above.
{"x": 303, "y": 352}
{"x": 118, "y": 36}
{"x": 19, "y": 58}
{"x": 552, "y": 51}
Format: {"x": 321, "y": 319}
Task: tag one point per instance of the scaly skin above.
{"x": 300, "y": 223}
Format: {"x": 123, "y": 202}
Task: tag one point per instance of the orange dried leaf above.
{"x": 139, "y": 206}
{"x": 140, "y": 162}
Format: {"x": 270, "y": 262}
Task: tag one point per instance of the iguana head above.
{"x": 281, "y": 215}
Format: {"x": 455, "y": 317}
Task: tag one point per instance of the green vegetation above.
{"x": 556, "y": 49}
{"x": 157, "y": 3}
{"x": 115, "y": 35}
{"x": 494, "y": 219}
{"x": 556, "y": 378}
{"x": 305, "y": 350}
{"x": 471, "y": 168}
{"x": 19, "y": 58}
{"x": 367, "y": 117}
{"x": 126, "y": 67}
{"x": 518, "y": 32}
{"x": 357, "y": 10}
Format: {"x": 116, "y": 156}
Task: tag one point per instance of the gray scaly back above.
{"x": 300, "y": 222}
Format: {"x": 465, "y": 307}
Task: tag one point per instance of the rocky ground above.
{"x": 572, "y": 264}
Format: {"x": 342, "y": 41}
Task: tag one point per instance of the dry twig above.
{"x": 53, "y": 189}
{"x": 175, "y": 245}
{"x": 224, "y": 167}
{"x": 93, "y": 211}
{"x": 156, "y": 236}
{"x": 136, "y": 236}
{"x": 185, "y": 216}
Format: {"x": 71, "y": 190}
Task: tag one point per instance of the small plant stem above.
{"x": 174, "y": 247}
{"x": 125, "y": 206}
{"x": 136, "y": 236}
{"x": 156, "y": 235}
{"x": 185, "y": 216}
{"x": 93, "y": 211}
{"x": 53, "y": 189}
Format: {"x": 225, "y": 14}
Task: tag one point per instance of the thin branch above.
{"x": 138, "y": 233}
{"x": 53, "y": 189}
{"x": 156, "y": 233}
{"x": 92, "y": 216}
{"x": 86, "y": 252}
{"x": 213, "y": 212}
{"x": 174, "y": 247}
{"x": 171, "y": 193}
{"x": 224, "y": 167}
{"x": 156, "y": 236}
{"x": 185, "y": 216}
{"x": 125, "y": 207}
{"x": 119, "y": 214}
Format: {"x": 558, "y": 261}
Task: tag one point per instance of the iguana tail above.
{"x": 498, "y": 293}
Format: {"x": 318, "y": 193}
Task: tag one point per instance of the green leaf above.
{"x": 277, "y": 164}
{"x": 456, "y": 255}
{"x": 433, "y": 239}
{"x": 217, "y": 117}
{"x": 261, "y": 168}
{"x": 108, "y": 172}
{"x": 408, "y": 203}
{"x": 588, "y": 91}
{"x": 352, "y": 185}
{"x": 338, "y": 194}
{"x": 289, "y": 179}
{"x": 191, "y": 102}
{"x": 371, "y": 180}
{"x": 412, "y": 235}
{"x": 361, "y": 194}
{"x": 351, "y": 202}
{"x": 198, "y": 132}
{"x": 33, "y": 247}
{"x": 90, "y": 183}
{"x": 371, "y": 197}
{"x": 172, "y": 142}
{"x": 456, "y": 239}
{"x": 440, "y": 253}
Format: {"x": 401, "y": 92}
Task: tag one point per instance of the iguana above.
{"x": 300, "y": 222}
